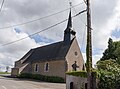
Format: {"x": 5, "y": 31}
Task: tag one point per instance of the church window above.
{"x": 76, "y": 53}
{"x": 36, "y": 67}
{"x": 46, "y": 67}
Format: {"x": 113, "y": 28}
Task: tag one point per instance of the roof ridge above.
{"x": 47, "y": 45}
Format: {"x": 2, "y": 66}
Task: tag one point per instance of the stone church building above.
{"x": 53, "y": 59}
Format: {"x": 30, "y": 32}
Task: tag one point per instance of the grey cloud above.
{"x": 102, "y": 10}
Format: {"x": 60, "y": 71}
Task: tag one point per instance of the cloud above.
{"x": 103, "y": 15}
{"x": 17, "y": 30}
{"x": 12, "y": 52}
{"x": 105, "y": 19}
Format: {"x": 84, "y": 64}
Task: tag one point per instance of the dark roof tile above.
{"x": 55, "y": 51}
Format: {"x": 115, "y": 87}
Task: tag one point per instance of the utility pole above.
{"x": 89, "y": 48}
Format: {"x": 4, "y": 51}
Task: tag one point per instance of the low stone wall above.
{"x": 14, "y": 72}
{"x": 75, "y": 82}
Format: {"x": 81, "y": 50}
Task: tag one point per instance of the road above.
{"x": 14, "y": 83}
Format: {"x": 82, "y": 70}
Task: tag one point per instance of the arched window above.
{"x": 46, "y": 67}
{"x": 36, "y": 68}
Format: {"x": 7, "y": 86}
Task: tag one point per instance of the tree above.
{"x": 109, "y": 74}
{"x": 7, "y": 68}
{"x": 109, "y": 66}
{"x": 113, "y": 51}
{"x": 117, "y": 51}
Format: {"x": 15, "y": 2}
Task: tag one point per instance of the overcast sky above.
{"x": 105, "y": 23}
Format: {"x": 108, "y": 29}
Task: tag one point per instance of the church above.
{"x": 54, "y": 59}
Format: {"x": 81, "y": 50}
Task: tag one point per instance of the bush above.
{"x": 78, "y": 73}
{"x": 24, "y": 75}
{"x": 53, "y": 79}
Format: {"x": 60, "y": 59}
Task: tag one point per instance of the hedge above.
{"x": 53, "y": 79}
{"x": 80, "y": 73}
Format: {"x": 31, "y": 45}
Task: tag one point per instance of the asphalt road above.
{"x": 14, "y": 83}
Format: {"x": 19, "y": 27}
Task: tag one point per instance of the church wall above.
{"x": 55, "y": 68}
{"x": 77, "y": 82}
{"x": 21, "y": 68}
{"x": 26, "y": 68}
{"x": 18, "y": 64}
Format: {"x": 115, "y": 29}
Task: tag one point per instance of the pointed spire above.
{"x": 69, "y": 33}
{"x": 69, "y": 25}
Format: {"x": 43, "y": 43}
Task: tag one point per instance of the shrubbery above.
{"x": 53, "y": 79}
{"x": 78, "y": 73}
{"x": 109, "y": 74}
{"x": 81, "y": 73}
{"x": 109, "y": 67}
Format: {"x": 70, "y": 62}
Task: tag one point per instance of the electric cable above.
{"x": 31, "y": 21}
{"x": 2, "y": 5}
{"x": 38, "y": 31}
{"x": 35, "y": 33}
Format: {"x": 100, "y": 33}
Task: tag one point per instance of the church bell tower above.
{"x": 69, "y": 33}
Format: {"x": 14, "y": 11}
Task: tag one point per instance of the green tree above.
{"x": 109, "y": 66}
{"x": 117, "y": 51}
{"x": 109, "y": 74}
{"x": 113, "y": 51}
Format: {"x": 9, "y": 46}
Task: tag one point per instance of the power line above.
{"x": 2, "y": 5}
{"x": 83, "y": 37}
{"x": 20, "y": 24}
{"x": 83, "y": 23}
{"x": 78, "y": 16}
{"x": 34, "y": 33}
{"x": 38, "y": 32}
{"x": 81, "y": 19}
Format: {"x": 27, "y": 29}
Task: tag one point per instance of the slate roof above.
{"x": 55, "y": 51}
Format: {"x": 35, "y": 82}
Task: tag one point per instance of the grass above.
{"x": 4, "y": 72}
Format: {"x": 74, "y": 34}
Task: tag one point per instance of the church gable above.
{"x": 74, "y": 55}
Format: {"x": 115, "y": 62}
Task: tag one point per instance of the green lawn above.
{"x": 4, "y": 72}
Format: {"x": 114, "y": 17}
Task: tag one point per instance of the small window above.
{"x": 76, "y": 53}
{"x": 47, "y": 67}
{"x": 36, "y": 68}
